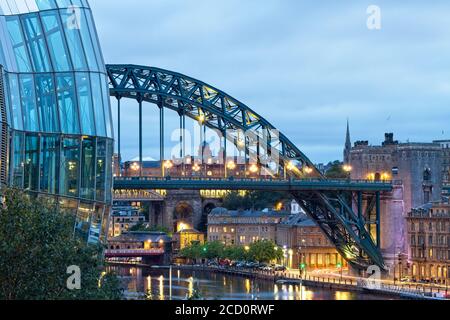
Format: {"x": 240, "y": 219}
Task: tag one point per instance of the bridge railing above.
{"x": 133, "y": 251}
{"x": 232, "y": 179}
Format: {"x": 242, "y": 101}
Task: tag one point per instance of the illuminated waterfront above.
{"x": 155, "y": 284}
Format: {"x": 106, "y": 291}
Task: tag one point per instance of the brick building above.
{"x": 124, "y": 218}
{"x": 304, "y": 242}
{"x": 243, "y": 227}
{"x": 415, "y": 168}
{"x": 429, "y": 243}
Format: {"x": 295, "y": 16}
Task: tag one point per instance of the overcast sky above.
{"x": 303, "y": 66}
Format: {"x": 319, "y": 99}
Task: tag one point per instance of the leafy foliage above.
{"x": 261, "y": 251}
{"x": 265, "y": 251}
{"x": 37, "y": 245}
{"x": 254, "y": 200}
{"x": 146, "y": 228}
{"x": 336, "y": 171}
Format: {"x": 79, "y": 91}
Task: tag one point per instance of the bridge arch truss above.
{"x": 350, "y": 220}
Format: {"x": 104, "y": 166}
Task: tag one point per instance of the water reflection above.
{"x": 155, "y": 284}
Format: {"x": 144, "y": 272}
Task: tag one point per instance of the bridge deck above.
{"x": 249, "y": 184}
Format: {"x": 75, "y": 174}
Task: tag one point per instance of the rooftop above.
{"x": 248, "y": 213}
{"x": 299, "y": 220}
{"x": 140, "y": 236}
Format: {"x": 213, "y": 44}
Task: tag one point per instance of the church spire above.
{"x": 348, "y": 145}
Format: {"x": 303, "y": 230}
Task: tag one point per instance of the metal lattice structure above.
{"x": 350, "y": 219}
{"x": 3, "y": 134}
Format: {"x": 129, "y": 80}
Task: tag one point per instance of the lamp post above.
{"x": 348, "y": 170}
{"x": 168, "y": 165}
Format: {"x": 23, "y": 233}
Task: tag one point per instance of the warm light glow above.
{"x": 247, "y": 248}
{"x": 135, "y": 166}
{"x": 290, "y": 166}
{"x": 183, "y": 226}
{"x": 201, "y": 118}
{"x": 72, "y": 165}
{"x": 161, "y": 242}
{"x": 385, "y": 176}
{"x": 231, "y": 165}
{"x": 168, "y": 164}
{"x": 240, "y": 143}
{"x": 254, "y": 168}
{"x": 308, "y": 170}
{"x": 196, "y": 168}
{"x": 347, "y": 168}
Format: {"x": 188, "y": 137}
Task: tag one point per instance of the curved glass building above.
{"x": 56, "y": 127}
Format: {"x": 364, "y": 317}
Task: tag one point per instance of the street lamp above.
{"x": 196, "y": 168}
{"x": 308, "y": 170}
{"x": 253, "y": 168}
{"x": 135, "y": 167}
{"x": 348, "y": 170}
{"x": 168, "y": 165}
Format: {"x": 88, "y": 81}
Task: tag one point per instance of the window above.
{"x": 67, "y": 102}
{"x": 48, "y": 113}
{"x": 85, "y": 102}
{"x": 58, "y": 50}
{"x": 31, "y": 121}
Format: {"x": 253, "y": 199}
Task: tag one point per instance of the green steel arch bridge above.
{"x": 348, "y": 212}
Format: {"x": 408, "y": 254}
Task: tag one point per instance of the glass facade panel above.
{"x": 83, "y": 220}
{"x": 59, "y": 52}
{"x": 46, "y": 100}
{"x": 70, "y": 166}
{"x": 101, "y": 170}
{"x": 46, "y": 4}
{"x": 85, "y": 103}
{"x": 96, "y": 224}
{"x": 67, "y": 103}
{"x": 87, "y": 42}
{"x": 88, "y": 169}
{"x": 71, "y": 30}
{"x": 106, "y": 105}
{"x": 17, "y": 159}
{"x": 98, "y": 104}
{"x": 31, "y": 166}
{"x": 27, "y": 93}
{"x": 15, "y": 103}
{"x": 109, "y": 169}
{"x": 36, "y": 43}
{"x": 49, "y": 164}
{"x": 19, "y": 48}
{"x": 58, "y": 107}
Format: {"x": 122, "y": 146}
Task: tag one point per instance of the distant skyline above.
{"x": 304, "y": 67}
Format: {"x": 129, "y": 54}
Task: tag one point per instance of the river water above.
{"x": 141, "y": 283}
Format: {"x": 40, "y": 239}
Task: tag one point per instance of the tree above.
{"x": 143, "y": 227}
{"x": 265, "y": 251}
{"x": 336, "y": 171}
{"x": 235, "y": 253}
{"x": 213, "y": 250}
{"x": 192, "y": 252}
{"x": 254, "y": 200}
{"x": 37, "y": 245}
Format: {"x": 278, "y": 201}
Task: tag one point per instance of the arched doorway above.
{"x": 183, "y": 217}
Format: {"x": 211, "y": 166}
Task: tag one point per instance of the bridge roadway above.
{"x": 168, "y": 183}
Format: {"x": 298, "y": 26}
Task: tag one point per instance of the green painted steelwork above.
{"x": 249, "y": 184}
